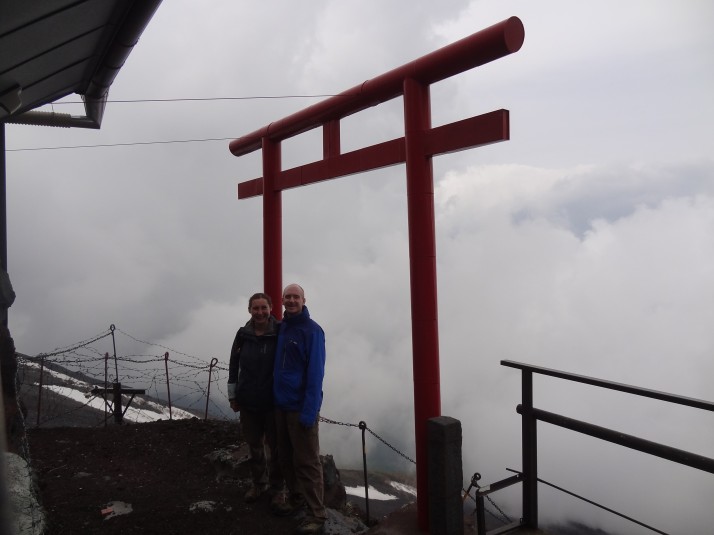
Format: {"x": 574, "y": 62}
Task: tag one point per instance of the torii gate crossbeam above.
{"x": 420, "y": 143}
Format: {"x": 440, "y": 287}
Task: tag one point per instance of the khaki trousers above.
{"x": 300, "y": 460}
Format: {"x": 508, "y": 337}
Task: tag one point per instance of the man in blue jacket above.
{"x": 297, "y": 389}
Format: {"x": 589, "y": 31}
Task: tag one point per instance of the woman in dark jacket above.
{"x": 250, "y": 391}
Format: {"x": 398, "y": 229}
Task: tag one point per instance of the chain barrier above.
{"x": 375, "y": 435}
{"x": 363, "y": 426}
{"x": 474, "y": 483}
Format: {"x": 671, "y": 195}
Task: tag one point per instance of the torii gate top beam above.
{"x": 489, "y": 44}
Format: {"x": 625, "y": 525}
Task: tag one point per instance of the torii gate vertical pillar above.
{"x": 272, "y": 225}
{"x": 422, "y": 267}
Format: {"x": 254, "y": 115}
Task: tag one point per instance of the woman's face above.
{"x": 260, "y": 311}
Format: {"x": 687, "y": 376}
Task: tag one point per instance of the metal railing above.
{"x": 531, "y": 415}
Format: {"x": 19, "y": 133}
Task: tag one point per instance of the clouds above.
{"x": 641, "y": 272}
{"x": 633, "y": 288}
{"x": 627, "y": 301}
{"x": 583, "y": 243}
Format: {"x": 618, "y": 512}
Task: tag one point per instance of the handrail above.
{"x": 645, "y": 392}
{"x": 693, "y": 460}
{"x": 531, "y": 415}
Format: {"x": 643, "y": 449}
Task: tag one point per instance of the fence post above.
{"x": 214, "y": 361}
{"x": 117, "y": 402}
{"x": 106, "y": 372}
{"x": 39, "y": 393}
{"x": 530, "y": 453}
{"x": 168, "y": 388}
{"x": 446, "y": 514}
{"x": 114, "y": 344}
{"x": 363, "y": 426}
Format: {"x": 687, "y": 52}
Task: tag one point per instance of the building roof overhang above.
{"x": 54, "y": 48}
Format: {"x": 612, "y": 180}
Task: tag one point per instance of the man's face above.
{"x": 259, "y": 310}
{"x": 293, "y": 299}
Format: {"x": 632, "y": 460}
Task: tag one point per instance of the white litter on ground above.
{"x": 117, "y": 508}
{"x": 207, "y": 506}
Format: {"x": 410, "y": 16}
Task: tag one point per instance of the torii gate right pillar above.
{"x": 422, "y": 267}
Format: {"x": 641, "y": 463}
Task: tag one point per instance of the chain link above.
{"x": 335, "y": 422}
{"x": 390, "y": 446}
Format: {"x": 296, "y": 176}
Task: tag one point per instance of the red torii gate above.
{"x": 420, "y": 143}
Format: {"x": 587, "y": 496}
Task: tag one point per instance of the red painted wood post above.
{"x": 272, "y": 225}
{"x": 422, "y": 267}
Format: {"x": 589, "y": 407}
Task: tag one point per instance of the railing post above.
{"x": 530, "y": 453}
{"x": 363, "y": 427}
{"x": 480, "y": 515}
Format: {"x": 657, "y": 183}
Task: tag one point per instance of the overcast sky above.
{"x": 585, "y": 243}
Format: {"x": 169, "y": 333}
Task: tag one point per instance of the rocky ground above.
{"x": 156, "y": 478}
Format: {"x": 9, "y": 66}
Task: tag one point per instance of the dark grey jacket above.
{"x": 250, "y": 372}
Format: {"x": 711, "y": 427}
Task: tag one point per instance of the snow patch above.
{"x": 401, "y": 487}
{"x": 374, "y": 494}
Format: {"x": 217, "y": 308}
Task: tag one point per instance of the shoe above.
{"x": 310, "y": 526}
{"x": 255, "y": 492}
{"x": 280, "y": 505}
{"x": 297, "y": 500}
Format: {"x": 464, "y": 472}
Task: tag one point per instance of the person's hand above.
{"x": 234, "y": 405}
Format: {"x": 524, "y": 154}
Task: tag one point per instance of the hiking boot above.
{"x": 310, "y": 526}
{"x": 286, "y": 504}
{"x": 297, "y": 500}
{"x": 255, "y": 492}
{"x": 281, "y": 505}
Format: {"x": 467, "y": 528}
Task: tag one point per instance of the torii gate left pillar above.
{"x": 420, "y": 143}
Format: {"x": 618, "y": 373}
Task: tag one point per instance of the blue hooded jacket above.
{"x": 299, "y": 367}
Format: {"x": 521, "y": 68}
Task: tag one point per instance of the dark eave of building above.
{"x": 53, "y": 48}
